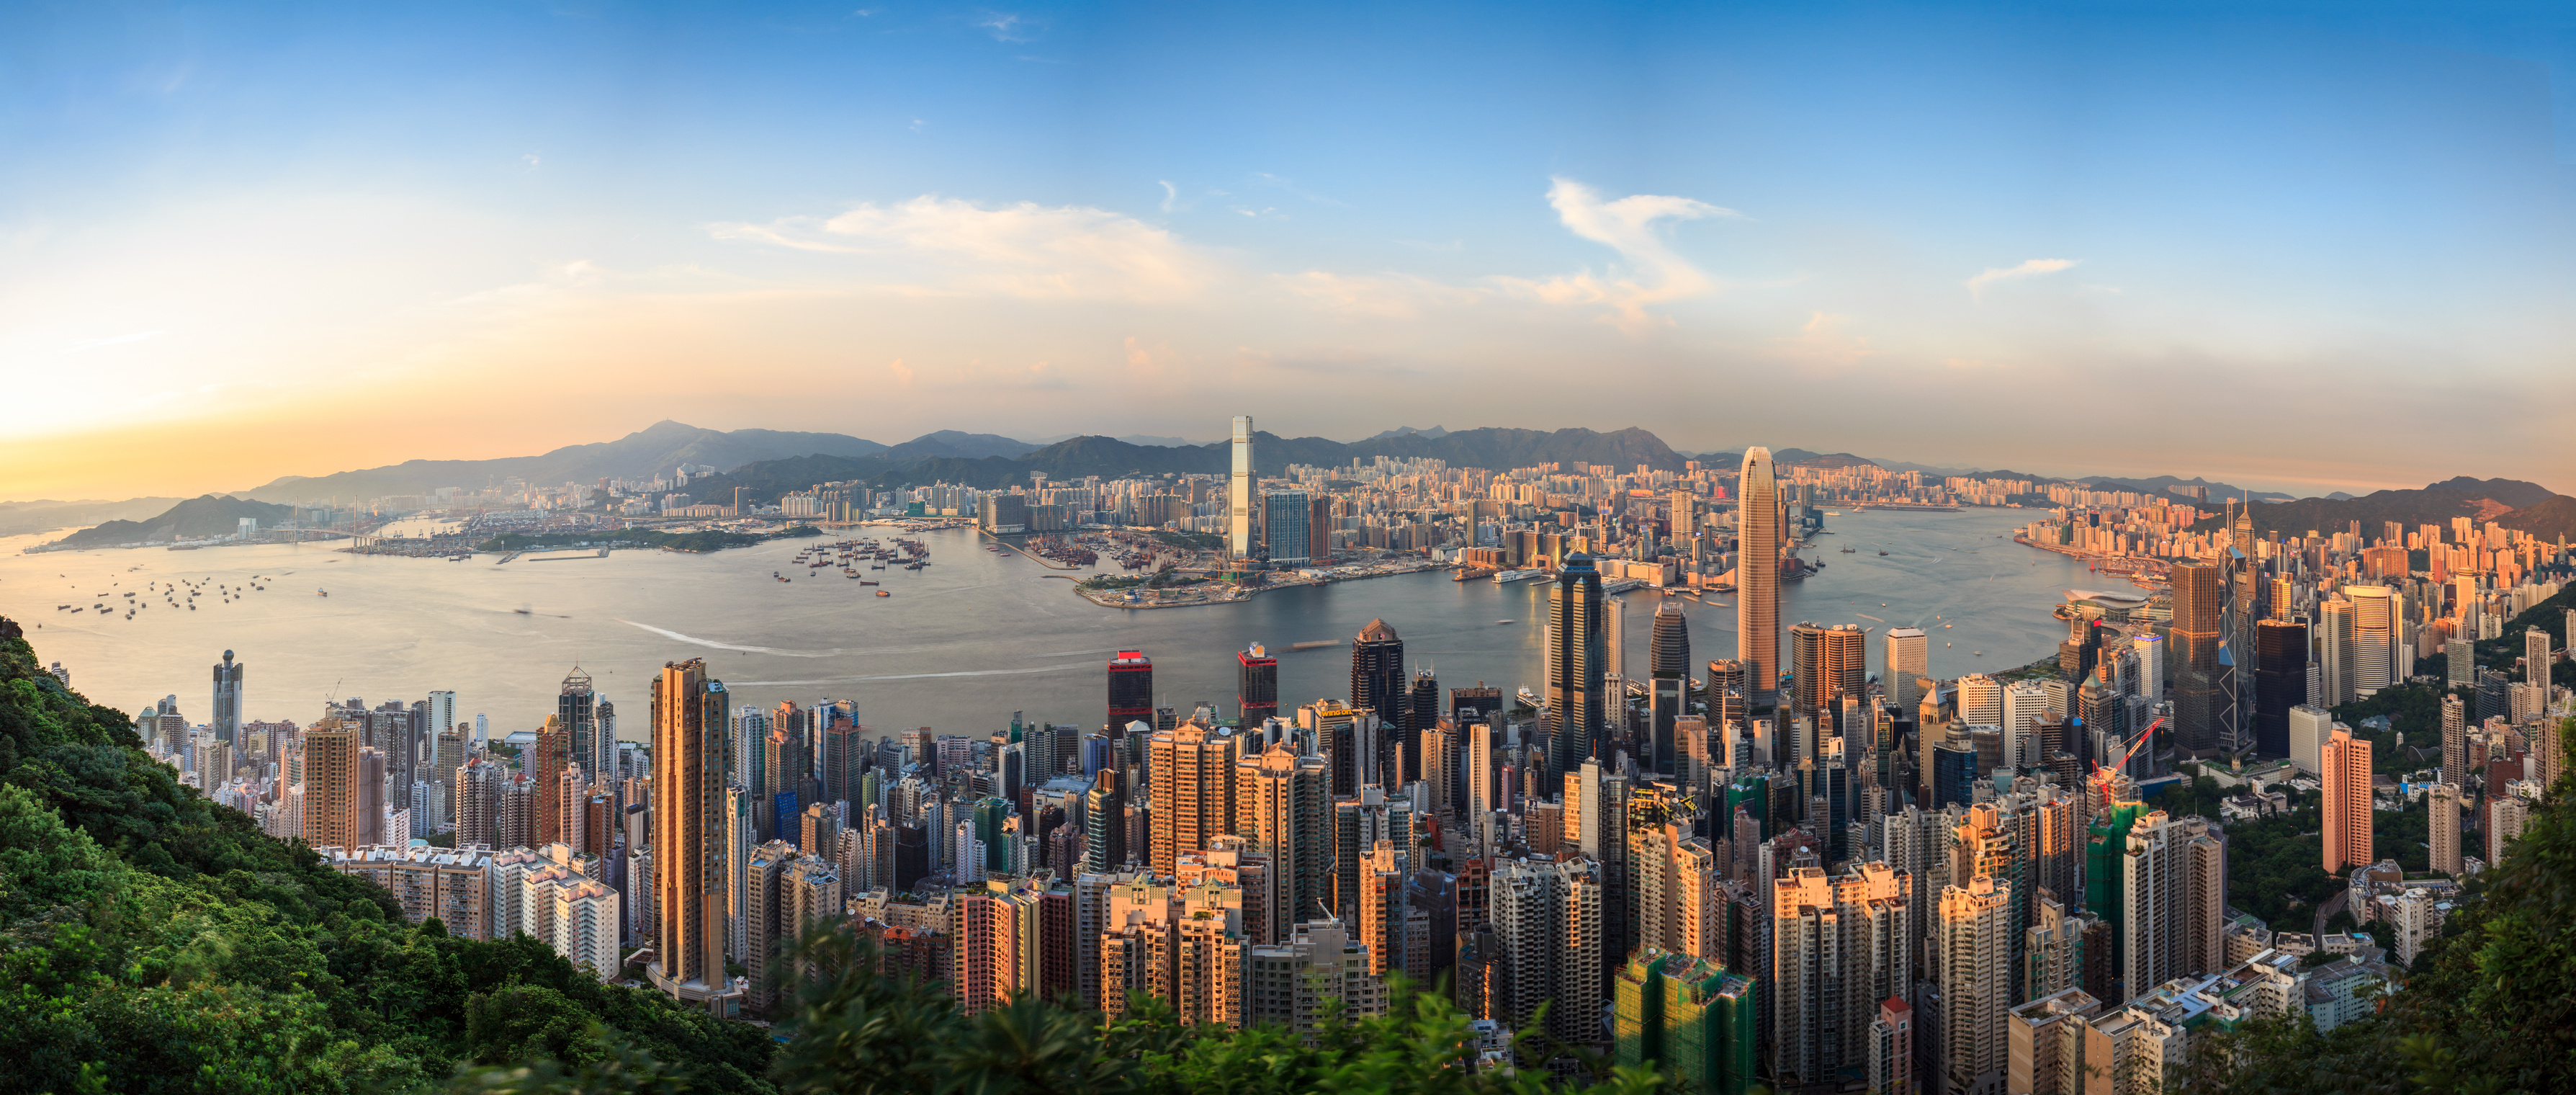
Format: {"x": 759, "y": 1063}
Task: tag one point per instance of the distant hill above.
{"x": 1408, "y": 431}
{"x": 2511, "y": 492}
{"x": 43, "y": 514}
{"x": 1109, "y": 457}
{"x": 197, "y": 518}
{"x": 1803, "y": 458}
{"x": 654, "y": 450}
{"x": 2544, "y": 515}
{"x": 969, "y": 446}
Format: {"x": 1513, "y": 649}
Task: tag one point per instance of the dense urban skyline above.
{"x": 2243, "y": 227}
{"x": 1904, "y": 549}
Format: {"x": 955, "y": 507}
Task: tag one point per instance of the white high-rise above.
{"x": 1240, "y": 496}
{"x": 1909, "y": 659}
{"x": 2026, "y": 705}
{"x": 1981, "y": 700}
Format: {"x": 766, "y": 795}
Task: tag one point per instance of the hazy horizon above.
{"x": 2285, "y": 247}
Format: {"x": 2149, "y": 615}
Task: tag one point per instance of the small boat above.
{"x": 882, "y": 593}
{"x": 317, "y": 592}
{"x": 1500, "y": 622}
{"x": 1882, "y": 553}
{"x": 867, "y": 583}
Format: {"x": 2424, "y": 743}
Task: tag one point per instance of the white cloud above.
{"x": 1171, "y": 194}
{"x": 1004, "y": 28}
{"x": 1654, "y": 274}
{"x": 1024, "y": 250}
{"x": 2029, "y": 268}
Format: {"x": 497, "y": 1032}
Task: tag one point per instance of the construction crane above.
{"x": 2102, "y": 776}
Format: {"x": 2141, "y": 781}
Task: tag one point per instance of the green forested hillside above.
{"x": 151, "y": 941}
{"x": 2490, "y": 1008}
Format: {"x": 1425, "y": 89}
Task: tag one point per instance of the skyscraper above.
{"x": 228, "y": 686}
{"x": 2280, "y": 682}
{"x": 1668, "y": 657}
{"x": 553, "y": 755}
{"x": 2455, "y": 741}
{"x": 2442, "y": 828}
{"x": 1614, "y": 629}
{"x": 2336, "y": 664}
{"x": 1377, "y": 676}
{"x": 1240, "y": 534}
{"x": 2198, "y": 590}
{"x": 1909, "y": 659}
{"x": 2346, "y": 761}
{"x": 1284, "y": 532}
{"x": 1256, "y": 689}
{"x": 1839, "y": 945}
{"x": 1688, "y": 1016}
{"x": 1192, "y": 792}
{"x": 1131, "y": 691}
{"x": 578, "y": 708}
{"x": 2374, "y": 630}
{"x": 1757, "y": 577}
{"x": 1576, "y": 657}
{"x": 1283, "y": 806}
{"x": 343, "y": 787}
{"x": 1827, "y": 663}
{"x": 689, "y": 837}
{"x": 1972, "y": 958}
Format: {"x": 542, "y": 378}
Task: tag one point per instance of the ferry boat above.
{"x": 1502, "y": 577}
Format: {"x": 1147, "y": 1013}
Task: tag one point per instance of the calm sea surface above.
{"x": 958, "y": 647}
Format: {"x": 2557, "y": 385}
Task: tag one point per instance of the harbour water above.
{"x": 958, "y": 647}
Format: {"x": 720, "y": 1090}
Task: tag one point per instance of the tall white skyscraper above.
{"x": 442, "y": 713}
{"x": 1240, "y": 496}
{"x": 1757, "y": 578}
{"x": 1909, "y": 658}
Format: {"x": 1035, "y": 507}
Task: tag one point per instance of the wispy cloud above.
{"x": 1653, "y": 273}
{"x": 1006, "y": 27}
{"x": 2029, "y": 268}
{"x": 1025, "y": 250}
{"x": 1171, "y": 194}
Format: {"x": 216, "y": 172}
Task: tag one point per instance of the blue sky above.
{"x": 2299, "y": 246}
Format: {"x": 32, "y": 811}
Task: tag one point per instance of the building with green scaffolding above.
{"x": 1690, "y": 1018}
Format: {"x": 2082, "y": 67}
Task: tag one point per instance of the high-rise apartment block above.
{"x": 2345, "y": 764}
{"x": 689, "y": 846}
